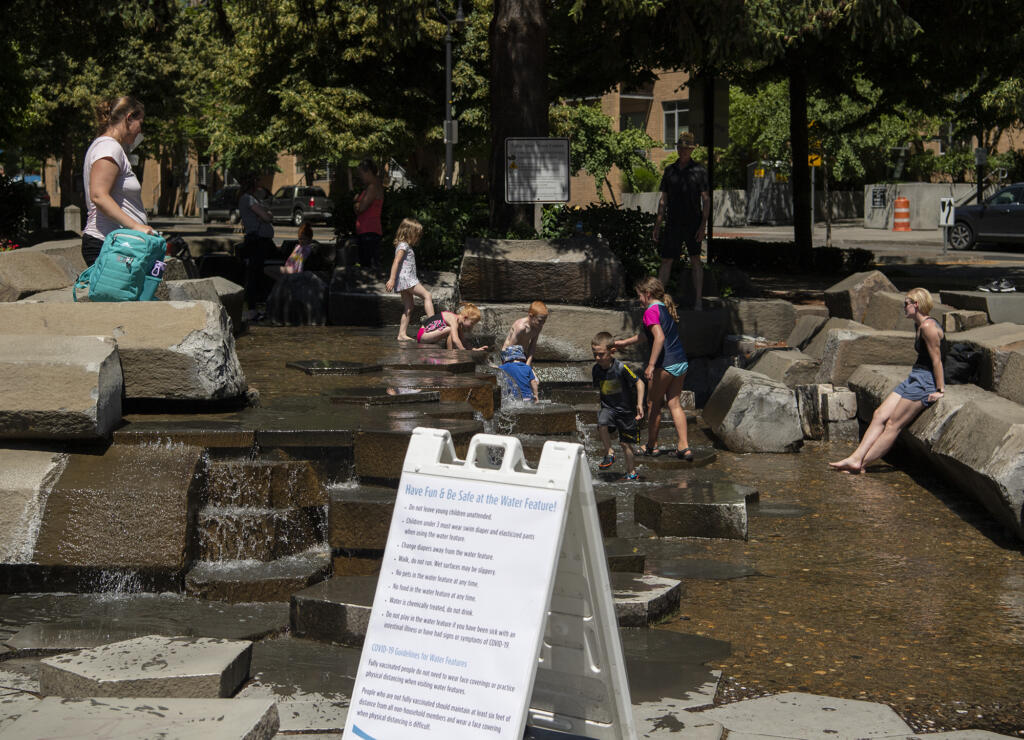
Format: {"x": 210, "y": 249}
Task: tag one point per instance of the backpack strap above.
{"x": 81, "y": 282}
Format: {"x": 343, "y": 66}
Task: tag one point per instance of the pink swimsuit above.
{"x": 434, "y": 325}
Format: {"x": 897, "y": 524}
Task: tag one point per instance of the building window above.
{"x": 634, "y": 119}
{"x": 677, "y": 113}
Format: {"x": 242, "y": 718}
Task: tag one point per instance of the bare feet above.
{"x": 403, "y": 338}
{"x": 847, "y": 466}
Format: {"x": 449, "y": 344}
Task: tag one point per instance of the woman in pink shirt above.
{"x": 368, "y": 206}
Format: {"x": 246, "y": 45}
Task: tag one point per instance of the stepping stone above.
{"x": 154, "y": 665}
{"x": 695, "y": 509}
{"x": 999, "y": 307}
{"x": 700, "y": 570}
{"x": 359, "y": 516}
{"x": 667, "y": 669}
{"x": 538, "y": 418}
{"x": 623, "y": 556}
{"x": 336, "y": 610}
{"x": 572, "y": 395}
{"x": 607, "y": 513}
{"x": 245, "y": 580}
{"x": 433, "y": 359}
{"x": 273, "y": 484}
{"x": 703, "y": 455}
{"x": 641, "y": 600}
{"x": 380, "y": 448}
{"x": 799, "y": 715}
{"x": 211, "y": 719}
{"x": 211, "y": 434}
{"x": 480, "y": 391}
{"x": 333, "y": 367}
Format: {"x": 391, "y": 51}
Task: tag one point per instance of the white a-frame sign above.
{"x": 493, "y": 608}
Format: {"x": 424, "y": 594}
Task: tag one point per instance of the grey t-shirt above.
{"x": 251, "y": 223}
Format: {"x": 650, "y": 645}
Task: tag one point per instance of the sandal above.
{"x": 649, "y": 452}
{"x": 685, "y": 454}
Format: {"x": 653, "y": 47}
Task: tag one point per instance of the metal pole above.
{"x": 449, "y": 157}
{"x": 812, "y": 203}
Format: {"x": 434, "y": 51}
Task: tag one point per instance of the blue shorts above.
{"x": 918, "y": 386}
{"x": 678, "y": 369}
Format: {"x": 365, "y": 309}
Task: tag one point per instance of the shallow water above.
{"x": 889, "y": 586}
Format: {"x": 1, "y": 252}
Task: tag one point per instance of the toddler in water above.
{"x": 524, "y": 382}
{"x": 450, "y": 327}
{"x": 403, "y": 274}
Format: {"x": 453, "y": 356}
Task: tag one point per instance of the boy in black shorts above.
{"x": 622, "y": 403}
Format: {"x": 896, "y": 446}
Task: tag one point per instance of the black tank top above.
{"x": 921, "y": 347}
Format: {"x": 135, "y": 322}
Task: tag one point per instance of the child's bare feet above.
{"x": 403, "y": 338}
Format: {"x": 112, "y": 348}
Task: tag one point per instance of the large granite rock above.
{"x": 576, "y": 271}
{"x": 59, "y": 387}
{"x": 751, "y": 412}
{"x": 65, "y": 252}
{"x": 846, "y": 350}
{"x": 816, "y": 346}
{"x": 27, "y": 271}
{"x": 789, "y": 366}
{"x": 999, "y": 307}
{"x": 215, "y": 289}
{"x": 999, "y": 343}
{"x": 849, "y": 298}
{"x": 885, "y": 312}
{"x": 127, "y": 510}
{"x": 26, "y": 477}
{"x": 772, "y": 319}
{"x": 973, "y": 437}
{"x": 358, "y": 298}
{"x": 168, "y": 350}
{"x": 807, "y": 325}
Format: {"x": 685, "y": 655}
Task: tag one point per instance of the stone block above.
{"x": 128, "y": 509}
{"x": 479, "y": 391}
{"x": 266, "y": 484}
{"x": 359, "y": 516}
{"x": 751, "y": 412}
{"x": 336, "y": 610}
{"x": 623, "y": 556}
{"x": 607, "y": 513}
{"x": 214, "y": 289}
{"x": 704, "y": 375}
{"x": 716, "y": 509}
{"x": 151, "y": 666}
{"x": 211, "y": 719}
{"x": 1011, "y": 379}
{"x": 537, "y": 418}
{"x": 567, "y": 332}
{"x": 67, "y": 253}
{"x": 379, "y": 452}
{"x": 641, "y": 599}
{"x": 578, "y": 271}
{"x": 59, "y": 387}
{"x": 885, "y": 312}
{"x": 242, "y": 580}
{"x": 839, "y": 405}
{"x": 27, "y": 271}
{"x": 999, "y": 307}
{"x": 168, "y": 350}
{"x": 358, "y": 298}
{"x": 26, "y": 477}
{"x": 846, "y": 350}
{"x": 998, "y": 343}
{"x": 789, "y": 366}
{"x": 842, "y": 431}
{"x": 959, "y": 319}
{"x": 849, "y": 298}
{"x": 816, "y": 347}
{"x": 806, "y": 326}
{"x": 770, "y": 318}
{"x": 809, "y": 404}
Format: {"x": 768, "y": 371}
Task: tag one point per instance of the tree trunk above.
{"x": 519, "y": 100}
{"x": 800, "y": 181}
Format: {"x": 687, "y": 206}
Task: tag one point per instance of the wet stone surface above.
{"x": 333, "y": 367}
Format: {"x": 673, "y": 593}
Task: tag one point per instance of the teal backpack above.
{"x": 129, "y": 268}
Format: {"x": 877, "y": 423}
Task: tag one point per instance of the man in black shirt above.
{"x": 685, "y": 198}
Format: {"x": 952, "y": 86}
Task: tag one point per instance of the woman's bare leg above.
{"x": 880, "y": 420}
{"x": 906, "y": 411}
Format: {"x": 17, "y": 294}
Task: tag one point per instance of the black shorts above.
{"x": 90, "y": 248}
{"x": 670, "y": 246}
{"x": 625, "y": 424}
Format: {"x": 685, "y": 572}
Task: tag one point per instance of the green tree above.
{"x": 595, "y": 148}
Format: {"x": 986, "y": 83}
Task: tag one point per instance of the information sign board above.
{"x": 461, "y": 611}
{"x": 947, "y": 210}
{"x": 536, "y": 170}
{"x": 879, "y": 197}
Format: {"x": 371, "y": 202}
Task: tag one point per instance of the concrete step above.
{"x": 278, "y": 484}
{"x": 537, "y": 418}
{"x": 249, "y": 580}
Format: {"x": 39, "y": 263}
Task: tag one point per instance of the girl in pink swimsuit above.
{"x": 440, "y": 327}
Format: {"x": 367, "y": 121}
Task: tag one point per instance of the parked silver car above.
{"x": 999, "y": 219}
{"x": 298, "y": 203}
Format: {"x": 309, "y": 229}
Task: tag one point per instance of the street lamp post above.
{"x": 450, "y": 129}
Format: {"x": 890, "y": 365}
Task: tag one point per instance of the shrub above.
{"x": 628, "y": 231}
{"x": 15, "y": 210}
{"x": 644, "y": 180}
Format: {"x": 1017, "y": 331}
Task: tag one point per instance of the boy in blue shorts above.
{"x": 525, "y": 384}
{"x": 622, "y": 403}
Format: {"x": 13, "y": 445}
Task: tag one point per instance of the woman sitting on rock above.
{"x": 924, "y": 386}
